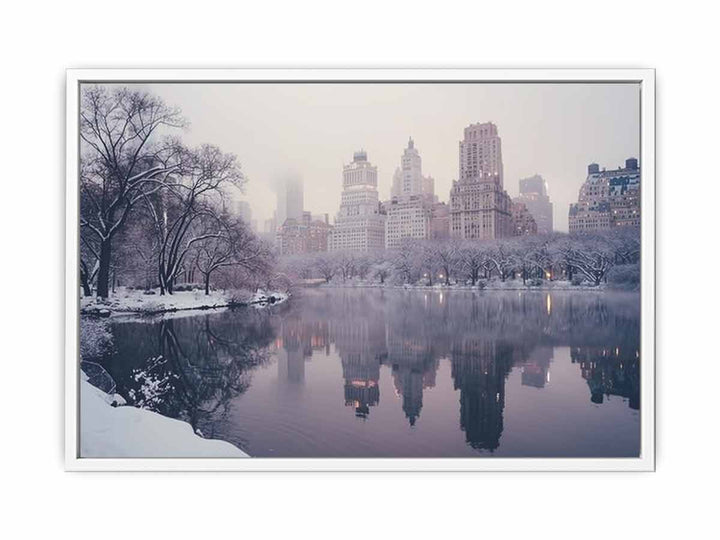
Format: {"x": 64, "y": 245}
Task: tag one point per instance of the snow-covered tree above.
{"x": 123, "y": 159}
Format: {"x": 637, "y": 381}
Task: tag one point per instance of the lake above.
{"x": 345, "y": 372}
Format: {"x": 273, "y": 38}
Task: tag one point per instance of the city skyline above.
{"x": 553, "y": 130}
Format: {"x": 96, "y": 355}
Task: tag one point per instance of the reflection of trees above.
{"x": 193, "y": 367}
{"x": 189, "y": 368}
{"x": 610, "y": 371}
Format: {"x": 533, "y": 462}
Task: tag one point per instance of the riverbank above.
{"x": 129, "y": 432}
{"x": 508, "y": 285}
{"x": 129, "y": 301}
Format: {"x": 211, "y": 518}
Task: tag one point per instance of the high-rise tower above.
{"x": 359, "y": 225}
{"x": 479, "y": 206}
{"x": 534, "y": 195}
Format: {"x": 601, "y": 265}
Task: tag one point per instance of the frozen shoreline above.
{"x": 515, "y": 285}
{"x": 130, "y": 432}
{"x": 136, "y": 302}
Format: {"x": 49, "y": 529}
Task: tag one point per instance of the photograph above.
{"x": 356, "y": 268}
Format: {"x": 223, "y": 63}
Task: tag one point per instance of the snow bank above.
{"x": 136, "y": 301}
{"x": 129, "y": 432}
{"x": 262, "y": 299}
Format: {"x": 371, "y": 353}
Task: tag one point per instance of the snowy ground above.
{"x": 129, "y": 432}
{"x": 136, "y": 301}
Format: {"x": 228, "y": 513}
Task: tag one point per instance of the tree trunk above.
{"x": 207, "y": 284}
{"x": 103, "y": 279}
{"x": 87, "y": 291}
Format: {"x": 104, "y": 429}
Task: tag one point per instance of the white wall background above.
{"x": 39, "y": 41}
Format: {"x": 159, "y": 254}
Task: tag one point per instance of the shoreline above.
{"x": 134, "y": 303}
{"x": 509, "y": 287}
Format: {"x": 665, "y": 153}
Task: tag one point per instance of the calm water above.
{"x": 370, "y": 373}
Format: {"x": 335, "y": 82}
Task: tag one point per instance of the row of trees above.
{"x": 152, "y": 210}
{"x": 586, "y": 257}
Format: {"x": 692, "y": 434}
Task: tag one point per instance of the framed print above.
{"x": 367, "y": 270}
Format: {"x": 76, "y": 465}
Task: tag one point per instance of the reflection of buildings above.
{"x": 479, "y": 370}
{"x": 413, "y": 369}
{"x": 610, "y": 372}
{"x": 536, "y": 368}
{"x": 362, "y": 376}
{"x": 297, "y": 342}
{"x": 360, "y": 342}
{"x": 410, "y": 332}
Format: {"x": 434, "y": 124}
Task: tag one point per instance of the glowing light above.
{"x": 548, "y": 304}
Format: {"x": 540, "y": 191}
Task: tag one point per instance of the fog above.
{"x": 554, "y": 130}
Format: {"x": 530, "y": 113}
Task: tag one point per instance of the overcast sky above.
{"x": 554, "y": 130}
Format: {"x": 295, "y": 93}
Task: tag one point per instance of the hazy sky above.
{"x": 554, "y": 130}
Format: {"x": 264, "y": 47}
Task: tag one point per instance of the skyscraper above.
{"x": 534, "y": 195}
{"x": 411, "y": 170}
{"x": 289, "y": 198}
{"x": 359, "y": 225}
{"x": 479, "y": 206}
{"x": 409, "y": 211}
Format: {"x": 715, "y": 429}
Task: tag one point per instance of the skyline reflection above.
{"x": 210, "y": 361}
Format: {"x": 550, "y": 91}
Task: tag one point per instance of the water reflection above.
{"x": 194, "y": 368}
{"x": 610, "y": 372}
{"x": 189, "y": 368}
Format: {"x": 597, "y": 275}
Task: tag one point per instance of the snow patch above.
{"x": 129, "y": 432}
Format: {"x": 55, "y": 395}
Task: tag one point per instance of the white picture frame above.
{"x": 644, "y": 77}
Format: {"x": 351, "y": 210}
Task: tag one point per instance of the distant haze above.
{"x": 554, "y": 130}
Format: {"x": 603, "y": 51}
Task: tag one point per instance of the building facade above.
{"x": 607, "y": 199}
{"x": 522, "y": 220}
{"x": 440, "y": 221}
{"x": 479, "y": 206}
{"x": 307, "y": 235}
{"x": 410, "y": 209}
{"x": 359, "y": 225}
{"x": 534, "y": 195}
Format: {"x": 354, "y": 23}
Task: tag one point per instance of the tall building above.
{"x": 409, "y": 211}
{"x": 479, "y": 206}
{"x": 534, "y": 195}
{"x": 359, "y": 225}
{"x": 242, "y": 210}
{"x": 523, "y": 221}
{"x": 411, "y": 170}
{"x": 289, "y": 198}
{"x": 607, "y": 199}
